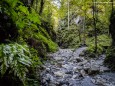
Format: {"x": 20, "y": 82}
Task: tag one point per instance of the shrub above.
{"x": 110, "y": 57}
{"x": 91, "y": 50}
{"x": 102, "y": 40}
{"x": 49, "y": 44}
{"x": 68, "y": 38}
{"x": 17, "y": 58}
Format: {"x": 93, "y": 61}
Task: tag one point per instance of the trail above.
{"x": 67, "y": 68}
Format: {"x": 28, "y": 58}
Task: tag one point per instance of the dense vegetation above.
{"x": 29, "y": 29}
{"x": 26, "y": 34}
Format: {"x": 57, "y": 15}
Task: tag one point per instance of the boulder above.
{"x": 104, "y": 69}
{"x": 86, "y": 67}
{"x": 82, "y": 63}
{"x": 59, "y": 73}
{"x": 100, "y": 81}
{"x": 66, "y": 66}
{"x": 76, "y": 76}
{"x": 94, "y": 69}
{"x": 58, "y": 58}
{"x": 83, "y": 73}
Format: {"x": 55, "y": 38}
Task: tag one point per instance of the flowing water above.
{"x": 67, "y": 68}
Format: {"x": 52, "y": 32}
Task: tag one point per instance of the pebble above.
{"x": 67, "y": 68}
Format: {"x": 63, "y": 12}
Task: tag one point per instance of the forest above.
{"x": 57, "y": 43}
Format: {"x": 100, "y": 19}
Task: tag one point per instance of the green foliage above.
{"x": 91, "y": 49}
{"x": 26, "y": 18}
{"x": 20, "y": 13}
{"x": 20, "y": 60}
{"x": 110, "y": 57}
{"x": 34, "y": 57}
{"x": 27, "y": 22}
{"x": 17, "y": 58}
{"x": 102, "y": 40}
{"x": 68, "y": 38}
{"x": 48, "y": 42}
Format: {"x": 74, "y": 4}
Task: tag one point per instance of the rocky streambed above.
{"x": 67, "y": 68}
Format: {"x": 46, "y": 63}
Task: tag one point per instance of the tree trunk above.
{"x": 79, "y": 33}
{"x": 84, "y": 31}
{"x": 94, "y": 18}
{"x": 112, "y": 24}
{"x": 41, "y": 6}
{"x": 68, "y": 14}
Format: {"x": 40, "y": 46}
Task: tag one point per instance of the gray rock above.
{"x": 69, "y": 72}
{"x": 87, "y": 66}
{"x": 79, "y": 68}
{"x": 75, "y": 69}
{"x": 75, "y": 76}
{"x": 100, "y": 81}
{"x": 93, "y": 81}
{"x": 48, "y": 69}
{"x": 66, "y": 66}
{"x": 77, "y": 52}
{"x": 64, "y": 85}
{"x": 62, "y": 82}
{"x": 94, "y": 69}
{"x": 49, "y": 77}
{"x": 82, "y": 63}
{"x": 104, "y": 69}
{"x": 52, "y": 84}
{"x": 87, "y": 81}
{"x": 106, "y": 84}
{"x": 72, "y": 82}
{"x": 83, "y": 73}
{"x": 78, "y": 59}
{"x": 59, "y": 73}
{"x": 58, "y": 58}
{"x": 67, "y": 76}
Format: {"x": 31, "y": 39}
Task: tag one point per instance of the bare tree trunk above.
{"x": 112, "y": 24}
{"x": 95, "y": 28}
{"x": 68, "y": 14}
{"x": 84, "y": 31}
{"x": 41, "y": 6}
{"x": 79, "y": 33}
{"x": 112, "y": 6}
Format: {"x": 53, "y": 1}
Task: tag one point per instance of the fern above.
{"x": 12, "y": 3}
{"x": 17, "y": 58}
{"x": 23, "y": 9}
{"x": 51, "y": 45}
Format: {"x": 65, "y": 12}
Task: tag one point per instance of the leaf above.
{"x": 23, "y": 9}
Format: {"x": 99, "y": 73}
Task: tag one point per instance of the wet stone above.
{"x": 67, "y": 68}
{"x": 59, "y": 73}
{"x": 104, "y": 69}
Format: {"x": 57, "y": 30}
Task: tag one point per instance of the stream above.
{"x": 67, "y": 68}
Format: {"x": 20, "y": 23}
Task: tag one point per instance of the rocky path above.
{"x": 67, "y": 68}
